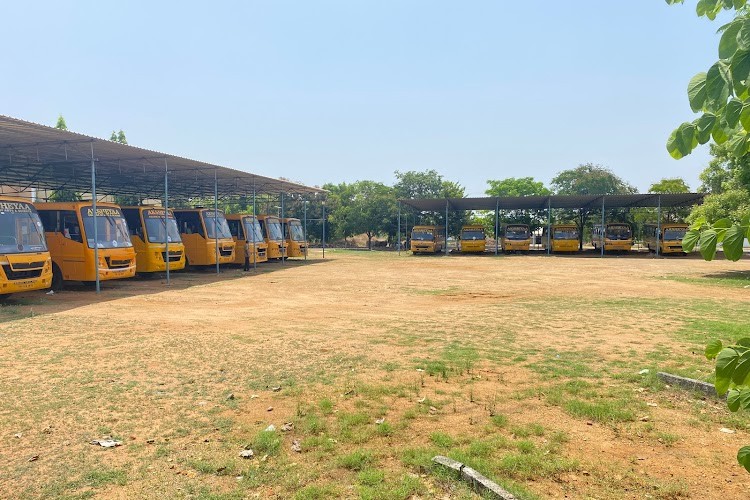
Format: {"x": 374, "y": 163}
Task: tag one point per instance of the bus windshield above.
{"x": 155, "y": 228}
{"x": 421, "y": 236}
{"x": 472, "y": 234}
{"x": 565, "y": 234}
{"x": 517, "y": 233}
{"x": 216, "y": 224}
{"x": 20, "y": 228}
{"x": 618, "y": 233}
{"x": 297, "y": 233}
{"x": 674, "y": 233}
{"x": 253, "y": 231}
{"x": 111, "y": 228}
{"x": 274, "y": 230}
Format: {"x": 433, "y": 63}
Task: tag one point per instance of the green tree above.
{"x": 515, "y": 186}
{"x": 671, "y": 186}
{"x": 430, "y": 184}
{"x": 727, "y": 182}
{"x": 61, "y": 123}
{"x": 118, "y": 137}
{"x": 588, "y": 179}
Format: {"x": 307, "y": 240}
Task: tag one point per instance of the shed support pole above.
{"x": 284, "y": 229}
{"x": 166, "y": 217}
{"x": 216, "y": 219}
{"x": 497, "y": 224}
{"x": 96, "y": 230}
{"x": 305, "y": 229}
{"x": 658, "y": 227}
{"x": 604, "y": 230}
{"x": 446, "y": 227}
{"x": 549, "y": 224}
{"x": 324, "y": 229}
{"x": 398, "y": 238}
{"x": 255, "y": 222}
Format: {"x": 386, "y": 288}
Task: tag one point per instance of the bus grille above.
{"x": 21, "y": 275}
{"x": 173, "y": 256}
{"x": 28, "y": 265}
{"x": 117, "y": 264}
{"x": 225, "y": 252}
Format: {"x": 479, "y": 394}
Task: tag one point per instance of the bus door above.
{"x": 70, "y": 239}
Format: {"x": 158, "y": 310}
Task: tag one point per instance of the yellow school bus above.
{"x": 670, "y": 239}
{"x": 247, "y": 228}
{"x": 274, "y": 237}
{"x": 473, "y": 239}
{"x": 616, "y": 236}
{"x": 199, "y": 229}
{"x": 562, "y": 238}
{"x": 294, "y": 234}
{"x": 69, "y": 228}
{"x": 24, "y": 258}
{"x": 150, "y": 237}
{"x": 515, "y": 238}
{"x": 427, "y": 239}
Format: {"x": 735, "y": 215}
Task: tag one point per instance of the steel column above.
{"x": 446, "y": 227}
{"x": 166, "y": 214}
{"x": 604, "y": 231}
{"x": 216, "y": 219}
{"x": 255, "y": 221}
{"x": 324, "y": 229}
{"x": 398, "y": 238}
{"x": 658, "y": 227}
{"x": 549, "y": 224}
{"x": 304, "y": 228}
{"x": 96, "y": 231}
{"x": 284, "y": 246}
{"x": 497, "y": 224}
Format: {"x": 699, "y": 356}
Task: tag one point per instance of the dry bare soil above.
{"x": 527, "y": 368}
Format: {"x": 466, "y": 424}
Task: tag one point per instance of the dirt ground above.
{"x": 528, "y": 368}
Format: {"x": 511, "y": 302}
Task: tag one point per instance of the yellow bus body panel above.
{"x": 473, "y": 246}
{"x": 76, "y": 259}
{"x": 276, "y": 249}
{"x": 259, "y": 249}
{"x": 26, "y": 271}
{"x": 515, "y": 245}
{"x": 564, "y": 245}
{"x": 293, "y": 248}
{"x": 618, "y": 245}
{"x": 149, "y": 257}
{"x": 201, "y": 251}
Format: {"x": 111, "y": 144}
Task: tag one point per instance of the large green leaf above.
{"x": 743, "y": 36}
{"x": 690, "y": 240}
{"x": 703, "y": 126}
{"x": 682, "y": 141}
{"x": 732, "y": 112}
{"x": 713, "y": 349}
{"x": 744, "y": 342}
{"x": 738, "y": 399}
{"x": 743, "y": 457}
{"x": 725, "y": 363}
{"x": 738, "y": 144}
{"x": 740, "y": 68}
{"x": 741, "y": 375}
{"x": 728, "y": 42}
{"x": 719, "y": 133}
{"x": 708, "y": 241}
{"x": 699, "y": 222}
{"x": 697, "y": 92}
{"x": 734, "y": 238}
{"x": 717, "y": 87}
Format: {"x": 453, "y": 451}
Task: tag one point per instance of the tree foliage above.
{"x": 589, "y": 179}
{"x": 118, "y": 137}
{"x": 61, "y": 123}
{"x": 430, "y": 184}
{"x": 516, "y": 186}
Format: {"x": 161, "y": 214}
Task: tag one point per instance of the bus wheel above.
{"x": 57, "y": 278}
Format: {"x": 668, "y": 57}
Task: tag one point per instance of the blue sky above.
{"x": 341, "y": 90}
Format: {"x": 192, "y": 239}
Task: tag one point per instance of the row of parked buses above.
{"x": 45, "y": 244}
{"x": 557, "y": 237}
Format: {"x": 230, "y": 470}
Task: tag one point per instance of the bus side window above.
{"x": 234, "y": 228}
{"x": 70, "y": 226}
{"x": 133, "y": 218}
{"x": 49, "y": 220}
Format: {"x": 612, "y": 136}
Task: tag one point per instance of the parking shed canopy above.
{"x": 37, "y": 156}
{"x": 649, "y": 200}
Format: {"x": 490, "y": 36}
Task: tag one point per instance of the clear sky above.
{"x": 339, "y": 90}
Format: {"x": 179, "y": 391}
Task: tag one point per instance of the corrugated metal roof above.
{"x": 37, "y": 156}
{"x": 556, "y": 201}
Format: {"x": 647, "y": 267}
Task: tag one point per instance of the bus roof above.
{"x": 72, "y": 205}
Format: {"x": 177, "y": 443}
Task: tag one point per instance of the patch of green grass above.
{"x": 601, "y": 411}
{"x": 441, "y": 439}
{"x": 668, "y": 439}
{"x": 357, "y": 461}
{"x": 312, "y": 424}
{"x": 499, "y": 420}
{"x": 219, "y": 468}
{"x": 733, "y": 279}
{"x": 418, "y": 458}
{"x": 349, "y": 420}
{"x": 100, "y": 477}
{"x": 314, "y": 492}
{"x": 390, "y": 366}
{"x": 266, "y": 442}
{"x": 525, "y": 446}
{"x": 384, "y": 429}
{"x": 371, "y": 477}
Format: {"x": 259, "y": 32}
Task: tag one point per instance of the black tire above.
{"x": 57, "y": 278}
